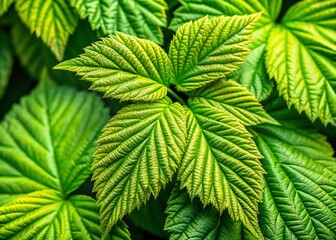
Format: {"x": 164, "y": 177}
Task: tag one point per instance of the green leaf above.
{"x": 190, "y": 220}
{"x": 300, "y": 186}
{"x": 120, "y": 231}
{"x": 142, "y": 18}
{"x": 45, "y": 215}
{"x": 4, "y": 5}
{"x": 6, "y": 61}
{"x": 124, "y": 67}
{"x": 233, "y": 99}
{"x": 221, "y": 164}
{"x": 194, "y": 9}
{"x": 301, "y": 56}
{"x": 212, "y": 48}
{"x": 52, "y": 20}
{"x": 137, "y": 155}
{"x": 252, "y": 73}
{"x": 37, "y": 58}
{"x": 47, "y": 141}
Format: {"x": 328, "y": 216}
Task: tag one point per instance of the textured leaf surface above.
{"x": 142, "y": 18}
{"x": 252, "y": 73}
{"x": 52, "y": 20}
{"x": 4, "y": 5}
{"x": 45, "y": 215}
{"x": 208, "y": 49}
{"x": 299, "y": 199}
{"x": 221, "y": 164}
{"x": 138, "y": 153}
{"x": 190, "y": 220}
{"x": 47, "y": 141}
{"x": 124, "y": 67}
{"x": 120, "y": 231}
{"x": 301, "y": 56}
{"x": 232, "y": 98}
{"x": 194, "y": 9}
{"x": 6, "y": 62}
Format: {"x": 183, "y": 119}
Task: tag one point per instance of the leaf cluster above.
{"x": 188, "y": 133}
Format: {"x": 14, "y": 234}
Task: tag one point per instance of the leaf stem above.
{"x": 177, "y": 97}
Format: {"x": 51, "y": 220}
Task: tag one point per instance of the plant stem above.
{"x": 177, "y": 97}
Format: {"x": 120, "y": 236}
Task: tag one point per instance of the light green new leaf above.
{"x": 120, "y": 231}
{"x": 45, "y": 215}
{"x": 124, "y": 67}
{"x": 299, "y": 200}
{"x": 6, "y": 61}
{"x": 232, "y": 98}
{"x": 252, "y": 74}
{"x": 142, "y": 18}
{"x": 208, "y": 49}
{"x": 190, "y": 220}
{"x": 47, "y": 141}
{"x": 221, "y": 164}
{"x": 52, "y": 20}
{"x": 137, "y": 155}
{"x": 301, "y": 56}
{"x": 4, "y": 5}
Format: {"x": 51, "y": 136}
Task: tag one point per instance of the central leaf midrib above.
{"x": 212, "y": 154}
{"x": 271, "y": 163}
{"x": 52, "y": 147}
{"x": 153, "y": 124}
{"x": 199, "y": 60}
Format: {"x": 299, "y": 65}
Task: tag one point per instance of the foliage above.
{"x": 189, "y": 143}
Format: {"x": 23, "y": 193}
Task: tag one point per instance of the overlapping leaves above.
{"x": 142, "y": 146}
{"x": 142, "y": 18}
{"x": 138, "y": 153}
{"x": 55, "y": 20}
{"x": 301, "y": 56}
{"x": 190, "y": 220}
{"x": 124, "y": 67}
{"x": 252, "y": 74}
{"x": 232, "y": 98}
{"x": 45, "y": 154}
{"x": 52, "y": 20}
{"x": 46, "y": 215}
{"x": 299, "y": 199}
{"x": 208, "y": 49}
{"x": 300, "y": 53}
{"x": 221, "y": 164}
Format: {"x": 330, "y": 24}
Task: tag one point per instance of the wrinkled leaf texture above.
{"x": 208, "y": 49}
{"x": 252, "y": 74}
{"x": 141, "y": 18}
{"x": 299, "y": 199}
{"x": 124, "y": 67}
{"x": 52, "y": 20}
{"x": 138, "y": 153}
{"x": 300, "y": 52}
{"x": 45, "y": 154}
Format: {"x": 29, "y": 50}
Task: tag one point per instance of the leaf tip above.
{"x": 63, "y": 65}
